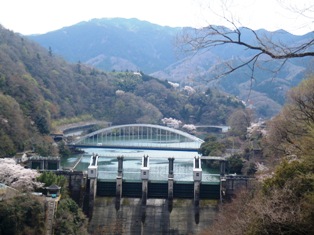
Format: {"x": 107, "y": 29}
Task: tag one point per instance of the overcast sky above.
{"x": 41, "y": 16}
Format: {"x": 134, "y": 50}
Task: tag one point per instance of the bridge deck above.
{"x": 134, "y": 147}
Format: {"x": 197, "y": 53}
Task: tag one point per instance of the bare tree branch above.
{"x": 213, "y": 36}
{"x": 263, "y": 46}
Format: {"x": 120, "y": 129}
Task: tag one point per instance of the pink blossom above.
{"x": 17, "y": 176}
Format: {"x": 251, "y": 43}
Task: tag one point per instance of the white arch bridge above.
{"x": 140, "y": 136}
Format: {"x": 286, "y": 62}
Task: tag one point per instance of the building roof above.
{"x": 53, "y": 187}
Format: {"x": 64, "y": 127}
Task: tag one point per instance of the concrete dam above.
{"x": 142, "y": 198}
{"x": 152, "y": 207}
{"x": 124, "y": 206}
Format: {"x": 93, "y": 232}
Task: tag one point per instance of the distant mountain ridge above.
{"x": 130, "y": 44}
{"x": 114, "y": 44}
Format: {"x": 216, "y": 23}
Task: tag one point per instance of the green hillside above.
{"x": 38, "y": 87}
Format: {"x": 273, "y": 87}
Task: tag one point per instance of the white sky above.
{"x": 41, "y": 16}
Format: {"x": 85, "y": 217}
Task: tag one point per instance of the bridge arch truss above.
{"x": 140, "y": 136}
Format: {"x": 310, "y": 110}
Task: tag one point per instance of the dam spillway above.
{"x": 133, "y": 219}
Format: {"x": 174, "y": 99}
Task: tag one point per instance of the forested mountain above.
{"x": 114, "y": 44}
{"x": 130, "y": 44}
{"x": 37, "y": 87}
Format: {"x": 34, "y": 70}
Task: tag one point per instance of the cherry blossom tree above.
{"x": 16, "y": 176}
{"x": 171, "y": 122}
{"x": 189, "y": 127}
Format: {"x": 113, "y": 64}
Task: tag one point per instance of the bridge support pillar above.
{"x": 170, "y": 194}
{"x": 120, "y": 165}
{"x": 144, "y": 199}
{"x": 92, "y": 195}
{"x": 170, "y": 184}
{"x": 119, "y": 181}
{"x": 92, "y": 177}
{"x": 144, "y": 191}
{"x": 223, "y": 187}
{"x": 197, "y": 177}
{"x": 118, "y": 192}
{"x": 42, "y": 165}
{"x": 197, "y": 187}
{"x": 145, "y": 177}
{"x": 222, "y": 167}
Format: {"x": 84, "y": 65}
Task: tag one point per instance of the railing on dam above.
{"x": 206, "y": 186}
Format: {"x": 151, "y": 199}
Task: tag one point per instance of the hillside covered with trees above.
{"x": 22, "y": 212}
{"x": 37, "y": 88}
{"x": 170, "y": 54}
{"x": 282, "y": 201}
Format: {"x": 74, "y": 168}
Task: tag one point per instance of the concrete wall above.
{"x": 154, "y": 218}
{"x": 77, "y": 184}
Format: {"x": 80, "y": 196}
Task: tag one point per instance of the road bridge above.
{"x": 140, "y": 136}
